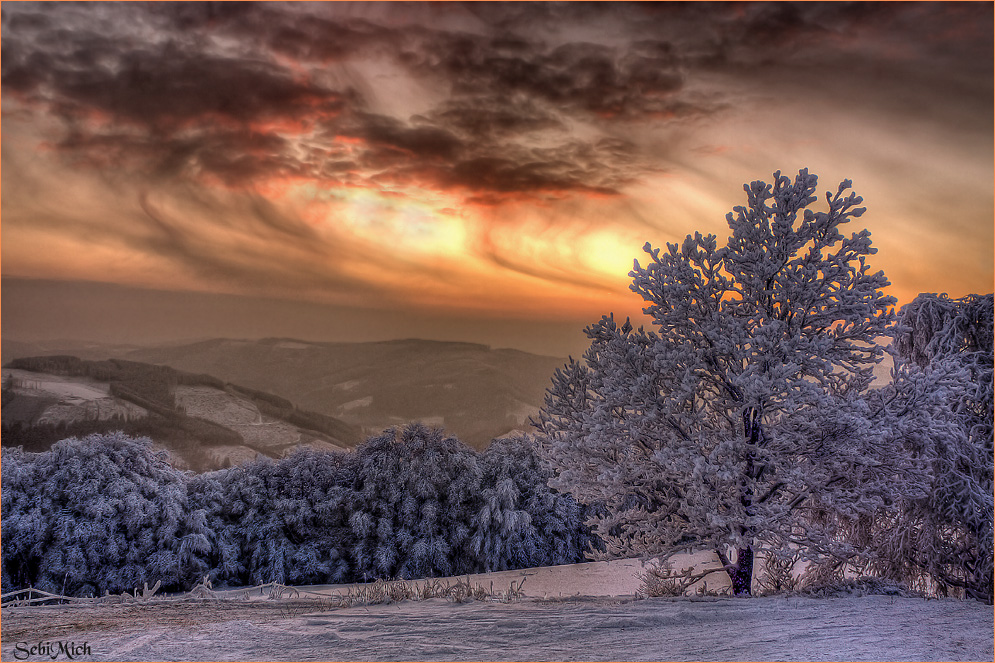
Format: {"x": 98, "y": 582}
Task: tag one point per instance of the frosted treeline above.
{"x": 107, "y": 513}
{"x": 745, "y": 422}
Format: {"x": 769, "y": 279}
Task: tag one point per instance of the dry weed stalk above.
{"x": 665, "y": 581}
{"x": 779, "y": 575}
{"x": 375, "y": 593}
{"x": 31, "y": 596}
{"x": 394, "y": 591}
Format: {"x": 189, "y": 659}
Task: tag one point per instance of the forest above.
{"x": 107, "y": 514}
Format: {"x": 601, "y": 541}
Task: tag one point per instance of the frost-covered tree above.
{"x": 284, "y": 521}
{"x": 105, "y": 513}
{"x": 939, "y": 407}
{"x": 738, "y": 424}
{"x": 522, "y": 522}
{"x": 934, "y": 329}
{"x": 417, "y": 494}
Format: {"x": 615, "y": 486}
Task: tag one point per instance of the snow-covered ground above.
{"x": 854, "y": 628}
{"x": 73, "y": 388}
{"x": 571, "y": 612}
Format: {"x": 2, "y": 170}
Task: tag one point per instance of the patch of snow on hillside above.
{"x": 359, "y": 402}
{"x": 56, "y": 385}
{"x": 217, "y": 406}
{"x": 293, "y": 345}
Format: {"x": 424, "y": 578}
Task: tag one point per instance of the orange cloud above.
{"x": 306, "y": 152}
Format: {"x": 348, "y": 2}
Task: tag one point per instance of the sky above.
{"x": 480, "y": 171}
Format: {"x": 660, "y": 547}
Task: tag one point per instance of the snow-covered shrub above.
{"x": 109, "y": 514}
{"x": 284, "y": 521}
{"x": 939, "y": 407}
{"x": 523, "y": 522}
{"x": 105, "y": 513}
{"x": 416, "y": 497}
{"x": 739, "y": 423}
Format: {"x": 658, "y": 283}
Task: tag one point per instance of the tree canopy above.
{"x": 738, "y": 422}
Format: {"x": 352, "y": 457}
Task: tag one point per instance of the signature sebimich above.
{"x": 51, "y": 650}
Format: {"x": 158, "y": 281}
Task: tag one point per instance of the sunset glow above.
{"x": 494, "y": 161}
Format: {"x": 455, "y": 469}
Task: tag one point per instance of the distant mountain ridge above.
{"x": 473, "y": 391}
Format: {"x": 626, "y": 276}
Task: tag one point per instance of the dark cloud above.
{"x": 745, "y": 38}
{"x": 317, "y": 39}
{"x": 391, "y": 140}
{"x": 573, "y": 78}
{"x": 238, "y": 92}
{"x": 236, "y": 157}
{"x": 182, "y": 105}
{"x": 579, "y": 167}
{"x": 492, "y": 119}
{"x": 282, "y": 28}
{"x": 183, "y": 16}
{"x": 165, "y": 87}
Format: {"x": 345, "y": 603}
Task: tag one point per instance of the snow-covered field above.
{"x": 570, "y": 612}
{"x": 74, "y": 398}
{"x": 72, "y": 388}
{"x": 240, "y": 415}
{"x": 853, "y": 628}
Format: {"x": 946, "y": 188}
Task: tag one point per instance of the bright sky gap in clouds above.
{"x": 480, "y": 161}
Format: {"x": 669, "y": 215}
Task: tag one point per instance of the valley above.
{"x": 475, "y": 392}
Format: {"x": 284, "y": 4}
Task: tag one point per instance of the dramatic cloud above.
{"x": 188, "y": 102}
{"x": 479, "y": 156}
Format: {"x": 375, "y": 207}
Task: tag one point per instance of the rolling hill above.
{"x": 202, "y": 421}
{"x": 474, "y": 392}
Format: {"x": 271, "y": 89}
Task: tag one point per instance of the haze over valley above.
{"x": 474, "y": 392}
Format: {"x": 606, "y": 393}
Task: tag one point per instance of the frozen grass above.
{"x": 775, "y": 577}
{"x": 379, "y": 592}
{"x": 386, "y": 592}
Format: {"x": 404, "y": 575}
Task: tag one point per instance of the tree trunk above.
{"x": 741, "y": 573}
